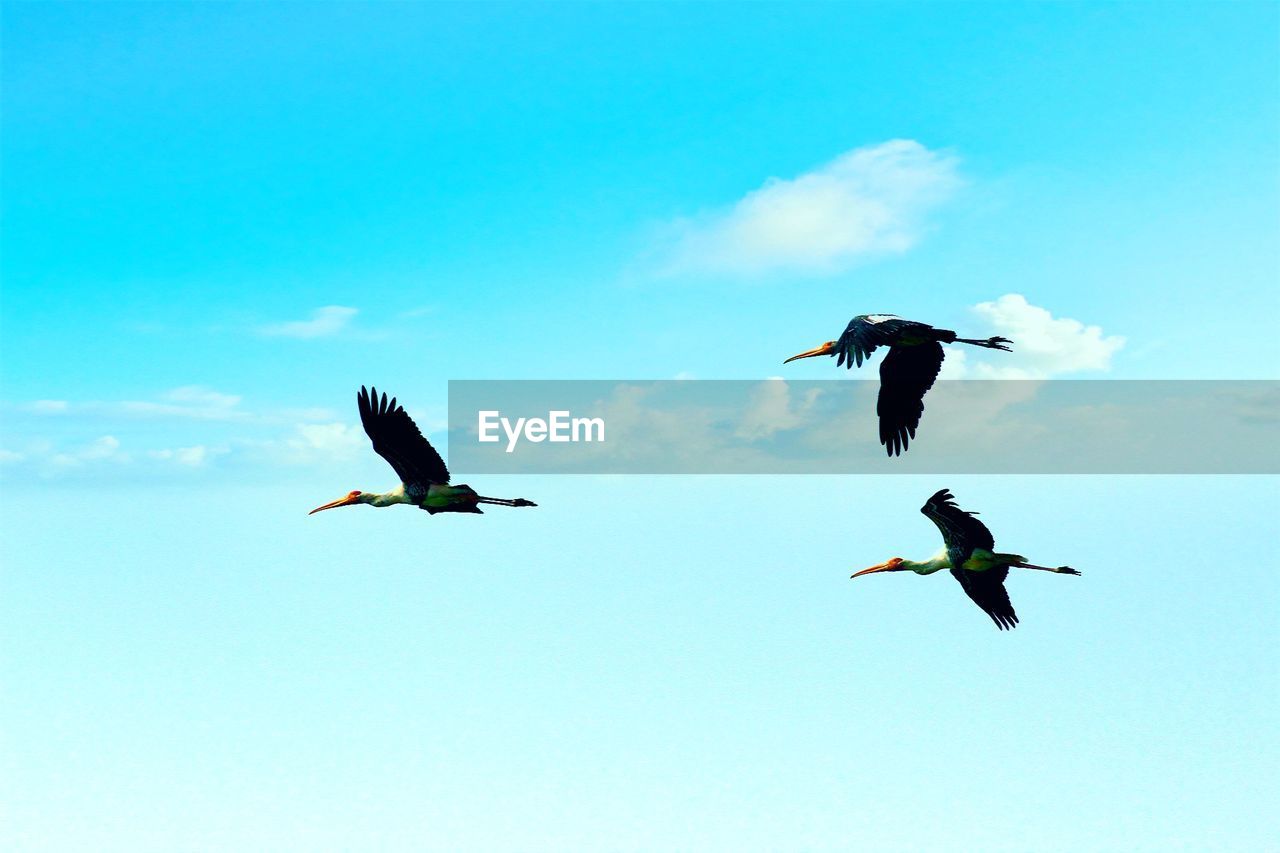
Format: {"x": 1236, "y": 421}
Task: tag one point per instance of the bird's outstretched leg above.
{"x": 1062, "y": 570}
{"x": 989, "y": 343}
{"x": 505, "y": 501}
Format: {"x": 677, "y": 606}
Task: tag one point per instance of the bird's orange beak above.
{"x": 826, "y": 349}
{"x": 347, "y": 501}
{"x": 887, "y": 566}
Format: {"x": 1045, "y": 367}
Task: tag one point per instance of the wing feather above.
{"x": 866, "y": 332}
{"x": 397, "y": 439}
{"x": 961, "y": 530}
{"x": 906, "y": 375}
{"x": 988, "y": 592}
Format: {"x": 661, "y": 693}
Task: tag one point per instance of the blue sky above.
{"x": 221, "y": 219}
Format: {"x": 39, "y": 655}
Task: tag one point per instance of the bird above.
{"x": 907, "y": 372}
{"x": 967, "y": 553}
{"x": 424, "y": 479}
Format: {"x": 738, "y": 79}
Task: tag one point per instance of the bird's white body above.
{"x": 438, "y": 494}
{"x": 979, "y": 561}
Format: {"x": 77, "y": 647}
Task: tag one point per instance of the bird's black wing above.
{"x": 868, "y": 331}
{"x": 906, "y": 375}
{"x": 396, "y": 438}
{"x": 961, "y": 531}
{"x": 988, "y": 592}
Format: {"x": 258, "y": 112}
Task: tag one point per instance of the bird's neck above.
{"x": 936, "y": 563}
{"x": 391, "y": 498}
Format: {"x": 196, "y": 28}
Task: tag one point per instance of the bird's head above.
{"x": 829, "y": 348}
{"x": 352, "y": 498}
{"x": 893, "y": 564}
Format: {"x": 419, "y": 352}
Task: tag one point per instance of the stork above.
{"x": 907, "y": 372}
{"x": 424, "y": 479}
{"x": 967, "y": 553}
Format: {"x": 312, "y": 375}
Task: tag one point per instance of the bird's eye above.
{"x": 354, "y": 494}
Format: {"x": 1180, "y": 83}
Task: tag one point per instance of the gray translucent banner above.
{"x": 829, "y": 427}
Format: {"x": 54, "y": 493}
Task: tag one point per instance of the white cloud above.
{"x": 104, "y": 449}
{"x": 227, "y": 432}
{"x": 771, "y": 410}
{"x": 324, "y": 322}
{"x": 867, "y": 201}
{"x": 107, "y": 447}
{"x": 48, "y": 460}
{"x": 312, "y": 442}
{"x": 955, "y": 365}
{"x": 189, "y": 401}
{"x": 1043, "y": 345}
{"x": 200, "y": 396}
{"x": 192, "y": 457}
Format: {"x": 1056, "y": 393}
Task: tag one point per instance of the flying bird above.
{"x": 907, "y": 372}
{"x": 424, "y": 479}
{"x": 968, "y": 554}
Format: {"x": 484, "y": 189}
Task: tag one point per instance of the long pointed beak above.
{"x": 347, "y": 501}
{"x": 883, "y": 567}
{"x": 826, "y": 349}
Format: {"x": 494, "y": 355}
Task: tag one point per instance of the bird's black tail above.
{"x": 944, "y": 336}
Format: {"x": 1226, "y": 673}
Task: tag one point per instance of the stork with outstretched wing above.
{"x": 968, "y": 554}
{"x": 907, "y": 372}
{"x": 424, "y": 479}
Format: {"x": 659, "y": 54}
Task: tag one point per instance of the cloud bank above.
{"x": 1044, "y": 346}
{"x": 205, "y": 429}
{"x": 867, "y": 201}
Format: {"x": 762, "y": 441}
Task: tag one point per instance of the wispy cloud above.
{"x": 867, "y": 201}
{"x": 195, "y": 456}
{"x": 1044, "y": 346}
{"x": 106, "y": 454}
{"x": 296, "y": 444}
{"x": 104, "y": 449}
{"x": 324, "y": 322}
{"x": 199, "y": 395}
{"x": 315, "y": 442}
{"x": 50, "y": 438}
{"x": 190, "y": 401}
